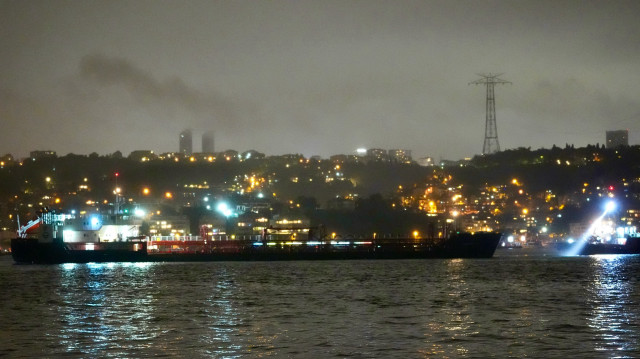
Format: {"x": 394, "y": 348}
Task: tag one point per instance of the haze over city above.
{"x": 315, "y": 77}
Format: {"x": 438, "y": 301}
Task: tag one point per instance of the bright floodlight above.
{"x": 575, "y": 249}
{"x": 139, "y": 212}
{"x": 224, "y": 209}
{"x": 610, "y": 206}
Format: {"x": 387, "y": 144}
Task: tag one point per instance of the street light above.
{"x": 455, "y": 215}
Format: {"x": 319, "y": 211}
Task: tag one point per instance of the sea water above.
{"x": 513, "y": 305}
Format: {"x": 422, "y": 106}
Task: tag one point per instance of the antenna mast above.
{"x": 491, "y": 144}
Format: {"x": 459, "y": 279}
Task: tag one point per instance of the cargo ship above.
{"x": 58, "y": 238}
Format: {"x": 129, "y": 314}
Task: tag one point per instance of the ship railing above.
{"x": 217, "y": 237}
{"x": 175, "y": 238}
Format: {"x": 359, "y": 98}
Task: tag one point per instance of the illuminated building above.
{"x": 377, "y": 155}
{"x": 400, "y": 156}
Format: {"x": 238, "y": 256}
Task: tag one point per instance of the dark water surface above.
{"x": 508, "y": 306}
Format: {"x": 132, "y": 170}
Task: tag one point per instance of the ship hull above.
{"x": 632, "y": 246}
{"x": 465, "y": 245}
{"x": 27, "y": 250}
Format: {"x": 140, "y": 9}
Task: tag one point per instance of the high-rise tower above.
{"x": 186, "y": 144}
{"x": 207, "y": 142}
{"x": 617, "y": 139}
{"x": 491, "y": 144}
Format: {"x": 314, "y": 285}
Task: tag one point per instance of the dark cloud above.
{"x": 113, "y": 71}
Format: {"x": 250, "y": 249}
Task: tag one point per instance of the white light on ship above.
{"x": 610, "y": 206}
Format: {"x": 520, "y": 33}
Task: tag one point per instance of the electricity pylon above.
{"x": 491, "y": 144}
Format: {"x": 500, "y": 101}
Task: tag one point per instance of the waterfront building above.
{"x": 167, "y": 225}
{"x": 186, "y": 142}
{"x": 256, "y": 206}
{"x": 617, "y": 139}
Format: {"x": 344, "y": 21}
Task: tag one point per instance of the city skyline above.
{"x": 317, "y": 78}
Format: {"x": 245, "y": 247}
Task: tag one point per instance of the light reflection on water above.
{"x": 614, "y": 315}
{"x": 585, "y": 307}
{"x": 103, "y": 305}
{"x": 451, "y": 316}
{"x": 219, "y": 309}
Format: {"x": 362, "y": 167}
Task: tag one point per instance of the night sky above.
{"x": 315, "y": 77}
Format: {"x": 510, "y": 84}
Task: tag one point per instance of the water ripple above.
{"x": 585, "y": 307}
